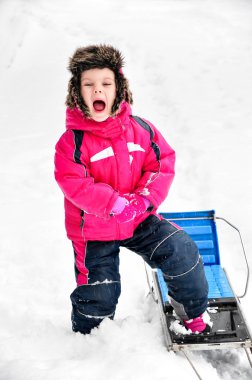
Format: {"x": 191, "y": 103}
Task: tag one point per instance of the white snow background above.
{"x": 189, "y": 67}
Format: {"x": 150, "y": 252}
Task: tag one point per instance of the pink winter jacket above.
{"x": 95, "y": 162}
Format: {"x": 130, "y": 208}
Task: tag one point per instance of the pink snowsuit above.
{"x": 95, "y": 162}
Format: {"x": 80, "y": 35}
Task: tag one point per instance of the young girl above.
{"x": 115, "y": 170}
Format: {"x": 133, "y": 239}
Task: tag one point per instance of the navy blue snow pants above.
{"x": 162, "y": 245}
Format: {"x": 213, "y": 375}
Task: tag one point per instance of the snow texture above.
{"x": 189, "y": 67}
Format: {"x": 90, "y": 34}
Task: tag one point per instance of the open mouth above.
{"x": 99, "y": 105}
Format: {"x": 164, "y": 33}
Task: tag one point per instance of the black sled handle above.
{"x": 244, "y": 253}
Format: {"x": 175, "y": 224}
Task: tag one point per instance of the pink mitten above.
{"x": 135, "y": 206}
{"x": 119, "y": 205}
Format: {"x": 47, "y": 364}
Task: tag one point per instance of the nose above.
{"x": 97, "y": 88}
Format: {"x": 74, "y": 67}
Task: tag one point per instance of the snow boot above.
{"x": 197, "y": 325}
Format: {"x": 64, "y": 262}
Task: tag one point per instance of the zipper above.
{"x": 82, "y": 221}
{"x": 150, "y": 178}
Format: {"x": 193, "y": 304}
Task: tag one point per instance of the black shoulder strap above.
{"x": 144, "y": 125}
{"x": 148, "y": 128}
{"x": 78, "y": 137}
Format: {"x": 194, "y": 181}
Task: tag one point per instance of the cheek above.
{"x": 113, "y": 95}
{"x": 84, "y": 94}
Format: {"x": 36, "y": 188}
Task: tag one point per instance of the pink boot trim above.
{"x": 195, "y": 324}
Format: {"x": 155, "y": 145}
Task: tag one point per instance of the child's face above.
{"x": 98, "y": 90}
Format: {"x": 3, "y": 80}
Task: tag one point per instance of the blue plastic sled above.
{"x": 229, "y": 327}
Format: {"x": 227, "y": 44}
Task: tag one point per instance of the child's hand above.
{"x": 134, "y": 205}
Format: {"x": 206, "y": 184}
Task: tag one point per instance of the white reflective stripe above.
{"x": 105, "y": 153}
{"x": 104, "y": 282}
{"x": 188, "y": 271}
{"x": 101, "y": 283}
{"x": 167, "y": 237}
{"x": 96, "y": 316}
{"x": 132, "y": 147}
{"x": 108, "y": 152}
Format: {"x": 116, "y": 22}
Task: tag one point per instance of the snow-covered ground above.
{"x": 189, "y": 66}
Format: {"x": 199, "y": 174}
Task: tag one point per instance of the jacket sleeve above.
{"x": 73, "y": 177}
{"x": 158, "y": 170}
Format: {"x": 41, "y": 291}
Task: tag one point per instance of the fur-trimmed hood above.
{"x": 96, "y": 56}
{"x": 91, "y": 57}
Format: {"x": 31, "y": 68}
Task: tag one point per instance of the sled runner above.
{"x": 229, "y": 328}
